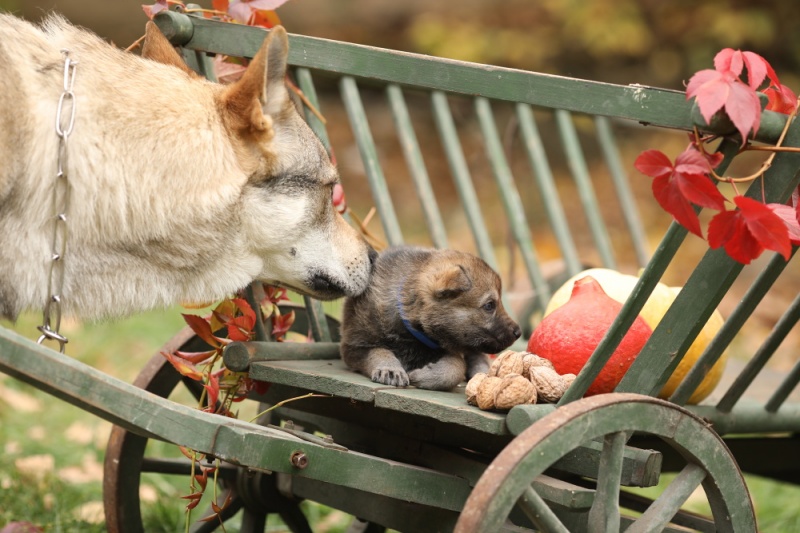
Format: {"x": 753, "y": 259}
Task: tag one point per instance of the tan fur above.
{"x": 451, "y": 297}
{"x": 181, "y": 189}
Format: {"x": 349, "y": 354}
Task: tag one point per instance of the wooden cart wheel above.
{"x": 707, "y": 463}
{"x": 127, "y": 459}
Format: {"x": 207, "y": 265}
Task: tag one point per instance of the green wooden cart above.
{"x": 415, "y": 460}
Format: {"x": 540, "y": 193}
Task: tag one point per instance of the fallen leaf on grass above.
{"x": 91, "y": 512}
{"x": 35, "y": 467}
{"x": 90, "y": 470}
{"x": 19, "y": 401}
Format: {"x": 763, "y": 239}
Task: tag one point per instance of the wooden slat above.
{"x": 619, "y": 177}
{"x": 333, "y": 377}
{"x": 545, "y": 182}
{"x": 369, "y": 156}
{"x": 512, "y": 203}
{"x": 461, "y": 175}
{"x": 416, "y": 166}
{"x": 583, "y": 182}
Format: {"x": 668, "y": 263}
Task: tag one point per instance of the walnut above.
{"x": 513, "y": 390}
{"x": 486, "y": 392}
{"x": 531, "y": 360}
{"x": 549, "y": 384}
{"x": 507, "y": 362}
{"x": 472, "y": 388}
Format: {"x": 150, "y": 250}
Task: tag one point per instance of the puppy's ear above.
{"x": 262, "y": 88}
{"x": 451, "y": 282}
{"x": 158, "y": 48}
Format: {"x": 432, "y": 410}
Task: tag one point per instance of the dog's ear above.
{"x": 158, "y": 48}
{"x": 451, "y": 282}
{"x": 262, "y": 88}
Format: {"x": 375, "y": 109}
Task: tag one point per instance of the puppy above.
{"x": 427, "y": 319}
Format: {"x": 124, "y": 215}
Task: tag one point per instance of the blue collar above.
{"x": 420, "y": 336}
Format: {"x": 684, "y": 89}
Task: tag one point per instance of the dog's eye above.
{"x": 489, "y": 306}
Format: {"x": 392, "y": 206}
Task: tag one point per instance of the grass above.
{"x": 52, "y": 470}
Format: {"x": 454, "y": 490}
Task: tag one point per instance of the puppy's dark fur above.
{"x": 452, "y": 298}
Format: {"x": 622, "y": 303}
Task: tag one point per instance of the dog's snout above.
{"x": 515, "y": 331}
{"x": 323, "y": 285}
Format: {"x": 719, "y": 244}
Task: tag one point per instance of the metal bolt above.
{"x": 299, "y": 460}
{"x": 328, "y": 439}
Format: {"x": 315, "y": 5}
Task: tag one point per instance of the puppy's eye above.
{"x": 489, "y": 306}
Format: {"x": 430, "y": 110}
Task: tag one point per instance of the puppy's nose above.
{"x": 516, "y": 332}
{"x": 373, "y": 256}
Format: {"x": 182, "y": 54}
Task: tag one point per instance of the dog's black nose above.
{"x": 322, "y": 283}
{"x": 373, "y": 256}
{"x": 516, "y": 332}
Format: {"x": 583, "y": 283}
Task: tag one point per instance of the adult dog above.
{"x": 180, "y": 189}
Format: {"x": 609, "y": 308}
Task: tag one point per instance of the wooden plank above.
{"x": 333, "y": 377}
{"x": 449, "y": 407}
{"x": 324, "y": 376}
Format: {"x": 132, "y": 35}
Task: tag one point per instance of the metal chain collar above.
{"x": 65, "y": 121}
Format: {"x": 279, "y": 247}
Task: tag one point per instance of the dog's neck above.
{"x": 416, "y": 333}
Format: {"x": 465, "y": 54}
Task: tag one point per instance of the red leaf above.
{"x": 673, "y": 202}
{"x": 781, "y": 99}
{"x": 789, "y": 216}
{"x": 723, "y": 88}
{"x": 151, "y": 10}
{"x": 220, "y": 5}
{"x": 246, "y": 310}
{"x": 240, "y": 329}
{"x": 195, "y": 357}
{"x": 261, "y": 387}
{"x": 281, "y": 324}
{"x": 710, "y": 88}
{"x": 202, "y": 328}
{"x": 184, "y": 367}
{"x": 729, "y": 230}
{"x": 195, "y": 499}
{"x": 189, "y": 454}
{"x": 222, "y": 314}
{"x": 212, "y": 388}
{"x": 757, "y": 68}
{"x": 691, "y": 161}
{"x": 677, "y": 187}
{"x": 765, "y": 225}
{"x": 746, "y": 232}
{"x": 743, "y": 108}
{"x": 275, "y": 294}
{"x": 653, "y": 163}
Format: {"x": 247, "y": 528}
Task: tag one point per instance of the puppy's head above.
{"x": 461, "y": 306}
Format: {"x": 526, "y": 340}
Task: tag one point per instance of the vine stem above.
{"x": 766, "y": 164}
{"x": 284, "y": 402}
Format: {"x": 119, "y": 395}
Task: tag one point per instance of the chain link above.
{"x": 65, "y": 122}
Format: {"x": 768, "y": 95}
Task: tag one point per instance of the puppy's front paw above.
{"x": 396, "y": 377}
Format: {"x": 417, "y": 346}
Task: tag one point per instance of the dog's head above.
{"x": 461, "y": 305}
{"x": 285, "y": 207}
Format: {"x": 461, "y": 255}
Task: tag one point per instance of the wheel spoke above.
{"x": 539, "y": 513}
{"x": 604, "y": 515}
{"x": 660, "y": 513}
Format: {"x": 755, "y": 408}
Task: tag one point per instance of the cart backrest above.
{"x": 469, "y": 156}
